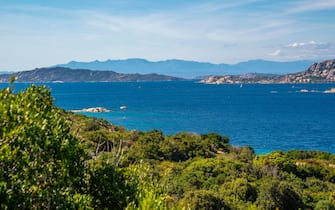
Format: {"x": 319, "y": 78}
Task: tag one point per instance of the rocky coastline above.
{"x": 322, "y": 72}
{"x": 60, "y": 75}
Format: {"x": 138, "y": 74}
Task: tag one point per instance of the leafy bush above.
{"x": 238, "y": 192}
{"x": 209, "y": 173}
{"x": 276, "y": 194}
{"x": 203, "y": 200}
{"x": 324, "y": 205}
{"x": 108, "y": 187}
{"x": 41, "y": 164}
{"x": 149, "y": 193}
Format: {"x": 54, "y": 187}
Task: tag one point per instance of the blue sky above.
{"x": 36, "y": 33}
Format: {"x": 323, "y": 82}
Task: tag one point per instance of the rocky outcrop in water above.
{"x": 93, "y": 109}
{"x": 332, "y": 90}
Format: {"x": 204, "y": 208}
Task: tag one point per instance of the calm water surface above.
{"x": 266, "y": 117}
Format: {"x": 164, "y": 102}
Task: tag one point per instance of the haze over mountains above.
{"x": 191, "y": 69}
{"x": 261, "y": 72}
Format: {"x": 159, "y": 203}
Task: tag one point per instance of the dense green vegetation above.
{"x": 52, "y": 159}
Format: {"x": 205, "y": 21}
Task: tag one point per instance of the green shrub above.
{"x": 203, "y": 200}
{"x": 276, "y": 194}
{"x": 41, "y": 164}
{"x": 324, "y": 205}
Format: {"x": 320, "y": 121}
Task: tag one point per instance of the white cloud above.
{"x": 311, "y": 45}
{"x": 213, "y": 6}
{"x": 312, "y": 5}
{"x": 311, "y": 50}
{"x": 302, "y": 44}
{"x": 275, "y": 53}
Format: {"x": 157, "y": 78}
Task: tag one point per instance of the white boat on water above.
{"x": 123, "y": 107}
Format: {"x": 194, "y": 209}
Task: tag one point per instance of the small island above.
{"x": 93, "y": 109}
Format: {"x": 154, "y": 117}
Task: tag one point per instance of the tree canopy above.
{"x": 53, "y": 159}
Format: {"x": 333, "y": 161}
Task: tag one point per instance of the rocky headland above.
{"x": 322, "y": 72}
{"x": 61, "y": 74}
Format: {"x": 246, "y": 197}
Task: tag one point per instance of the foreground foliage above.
{"x": 41, "y": 164}
{"x": 52, "y": 159}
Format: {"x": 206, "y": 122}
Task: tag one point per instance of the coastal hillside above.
{"x": 322, "y": 72}
{"x": 60, "y": 74}
{"x": 53, "y": 159}
{"x": 317, "y": 73}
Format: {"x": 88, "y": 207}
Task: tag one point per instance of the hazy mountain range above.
{"x": 191, "y": 69}
{"x": 317, "y": 73}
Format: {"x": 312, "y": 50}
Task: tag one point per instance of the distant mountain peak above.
{"x": 190, "y": 69}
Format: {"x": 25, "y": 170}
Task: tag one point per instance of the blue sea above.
{"x": 265, "y": 117}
